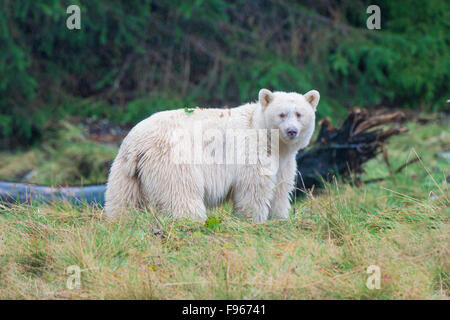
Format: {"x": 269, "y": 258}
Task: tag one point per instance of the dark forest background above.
{"x": 133, "y": 58}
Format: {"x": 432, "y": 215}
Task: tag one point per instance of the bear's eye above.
{"x": 298, "y": 115}
{"x": 282, "y": 115}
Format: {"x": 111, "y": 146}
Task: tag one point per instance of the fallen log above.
{"x": 336, "y": 151}
{"x": 27, "y": 193}
{"x": 342, "y": 151}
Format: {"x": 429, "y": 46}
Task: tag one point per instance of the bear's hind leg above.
{"x": 122, "y": 192}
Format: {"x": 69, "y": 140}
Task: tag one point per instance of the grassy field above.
{"x": 400, "y": 224}
{"x": 66, "y": 157}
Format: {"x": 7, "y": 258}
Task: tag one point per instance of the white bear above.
{"x": 147, "y": 170}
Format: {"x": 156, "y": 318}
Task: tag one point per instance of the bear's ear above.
{"x": 313, "y": 98}
{"x": 265, "y": 97}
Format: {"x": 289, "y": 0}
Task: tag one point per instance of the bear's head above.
{"x": 292, "y": 113}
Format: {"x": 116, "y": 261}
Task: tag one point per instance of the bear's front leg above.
{"x": 252, "y": 196}
{"x": 282, "y": 191}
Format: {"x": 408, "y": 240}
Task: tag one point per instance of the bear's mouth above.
{"x": 291, "y": 134}
{"x": 286, "y": 139}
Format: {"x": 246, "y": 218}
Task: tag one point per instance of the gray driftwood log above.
{"x": 21, "y": 192}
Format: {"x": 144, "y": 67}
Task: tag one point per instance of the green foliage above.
{"x": 129, "y": 61}
{"x": 141, "y": 108}
{"x": 212, "y": 223}
{"x": 66, "y": 157}
{"x": 188, "y": 111}
{"x": 405, "y": 63}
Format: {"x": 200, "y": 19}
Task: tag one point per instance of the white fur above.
{"x": 144, "y": 173}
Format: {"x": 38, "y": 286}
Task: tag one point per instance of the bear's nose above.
{"x": 292, "y": 133}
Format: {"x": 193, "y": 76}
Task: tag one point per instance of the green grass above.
{"x": 322, "y": 251}
{"x": 66, "y": 157}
